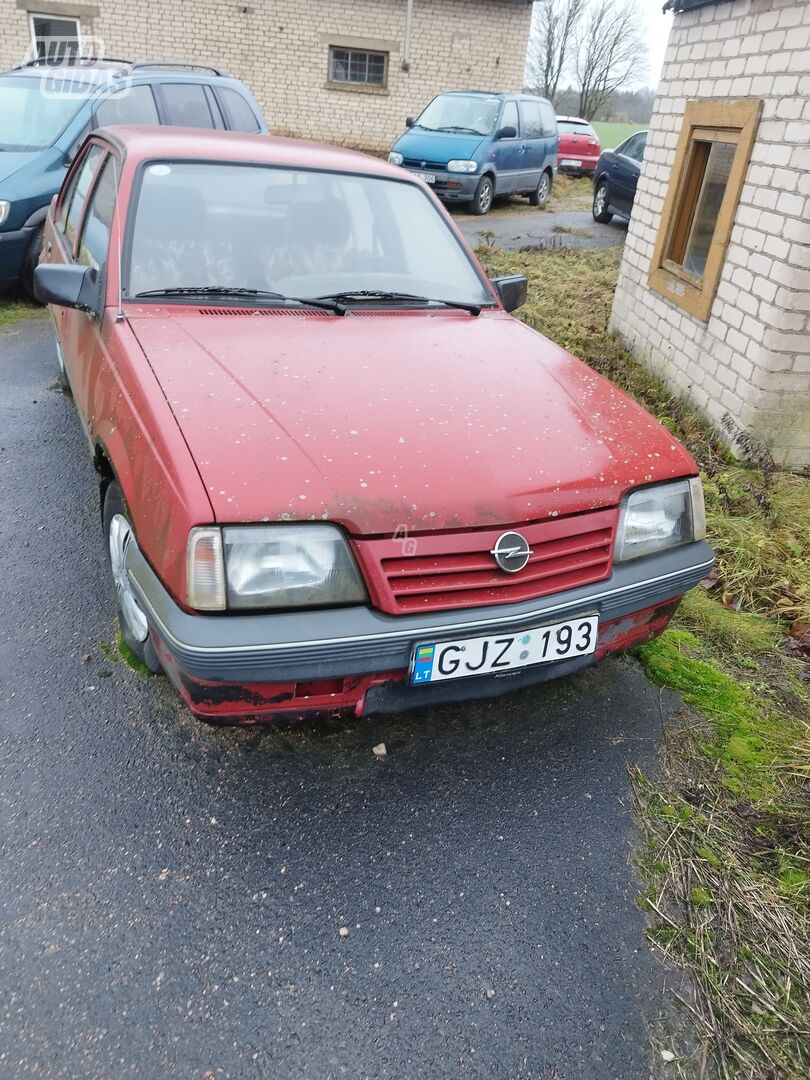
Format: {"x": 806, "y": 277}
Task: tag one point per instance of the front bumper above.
{"x": 450, "y": 187}
{"x": 13, "y": 245}
{"x": 355, "y": 660}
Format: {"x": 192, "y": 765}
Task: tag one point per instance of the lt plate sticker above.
{"x": 443, "y": 660}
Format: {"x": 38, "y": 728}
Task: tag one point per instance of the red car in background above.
{"x": 579, "y": 147}
{"x": 337, "y": 476}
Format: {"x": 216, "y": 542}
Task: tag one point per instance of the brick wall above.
{"x": 751, "y": 360}
{"x": 280, "y": 49}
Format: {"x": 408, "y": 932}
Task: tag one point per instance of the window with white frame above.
{"x": 55, "y": 38}
{"x": 358, "y": 67}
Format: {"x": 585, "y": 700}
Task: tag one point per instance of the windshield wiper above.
{"x": 380, "y": 294}
{"x": 259, "y": 294}
{"x": 468, "y": 130}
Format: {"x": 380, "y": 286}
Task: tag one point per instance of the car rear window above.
{"x": 572, "y": 127}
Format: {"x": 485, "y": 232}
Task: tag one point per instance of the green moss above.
{"x": 129, "y": 658}
{"x": 727, "y": 629}
{"x": 701, "y": 897}
{"x": 709, "y": 856}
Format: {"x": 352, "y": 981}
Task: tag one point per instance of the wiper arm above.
{"x": 468, "y": 130}
{"x": 412, "y": 298}
{"x": 259, "y": 294}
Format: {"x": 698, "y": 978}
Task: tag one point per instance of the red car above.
{"x": 337, "y": 475}
{"x": 579, "y": 147}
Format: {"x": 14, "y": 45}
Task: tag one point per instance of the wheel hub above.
{"x": 131, "y": 613}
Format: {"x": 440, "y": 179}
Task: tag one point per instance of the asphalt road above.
{"x": 515, "y": 229}
{"x": 171, "y": 895}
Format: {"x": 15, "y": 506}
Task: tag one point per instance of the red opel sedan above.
{"x": 337, "y": 476}
{"x": 579, "y": 147}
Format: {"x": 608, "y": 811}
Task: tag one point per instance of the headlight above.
{"x": 458, "y": 165}
{"x": 660, "y": 517}
{"x": 5, "y": 208}
{"x": 272, "y": 566}
{"x": 394, "y": 158}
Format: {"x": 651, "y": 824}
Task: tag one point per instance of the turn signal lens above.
{"x": 394, "y": 158}
{"x": 205, "y": 570}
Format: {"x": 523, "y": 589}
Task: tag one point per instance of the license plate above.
{"x": 440, "y": 660}
{"x": 428, "y": 177}
{"x": 571, "y": 161}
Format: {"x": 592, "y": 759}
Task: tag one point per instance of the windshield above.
{"x": 34, "y": 113}
{"x": 294, "y": 232}
{"x": 572, "y": 127}
{"x": 473, "y": 113}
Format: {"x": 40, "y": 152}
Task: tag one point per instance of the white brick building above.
{"x": 714, "y": 289}
{"x": 346, "y": 71}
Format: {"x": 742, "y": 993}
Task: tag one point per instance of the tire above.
{"x": 600, "y": 204}
{"x": 540, "y": 195}
{"x": 484, "y": 194}
{"x": 30, "y": 260}
{"x": 131, "y": 619}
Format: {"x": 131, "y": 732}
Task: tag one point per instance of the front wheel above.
{"x": 30, "y": 260}
{"x": 600, "y": 204}
{"x": 540, "y": 195}
{"x": 484, "y": 194}
{"x": 131, "y": 618}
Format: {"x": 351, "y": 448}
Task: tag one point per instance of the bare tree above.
{"x": 552, "y": 43}
{"x": 611, "y": 51}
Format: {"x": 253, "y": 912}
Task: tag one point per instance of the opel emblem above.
{"x": 511, "y": 552}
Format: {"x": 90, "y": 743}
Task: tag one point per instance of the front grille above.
{"x": 456, "y": 570}
{"x": 431, "y": 166}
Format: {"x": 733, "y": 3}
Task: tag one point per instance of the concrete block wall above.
{"x": 280, "y": 48}
{"x": 751, "y": 361}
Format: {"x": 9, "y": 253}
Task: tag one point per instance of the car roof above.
{"x": 143, "y": 143}
{"x": 97, "y": 72}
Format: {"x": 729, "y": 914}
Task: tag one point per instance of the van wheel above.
{"x": 601, "y": 203}
{"x": 30, "y": 260}
{"x": 131, "y": 619}
{"x": 484, "y": 194}
{"x": 539, "y": 197}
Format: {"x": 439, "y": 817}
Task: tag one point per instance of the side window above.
{"x": 634, "y": 147}
{"x": 531, "y": 125}
{"x": 549, "y": 119}
{"x": 95, "y": 237}
{"x": 509, "y": 116}
{"x": 133, "y": 105}
{"x": 76, "y": 196}
{"x": 186, "y": 105}
{"x": 239, "y": 114}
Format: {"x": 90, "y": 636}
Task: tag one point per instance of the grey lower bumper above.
{"x": 359, "y": 640}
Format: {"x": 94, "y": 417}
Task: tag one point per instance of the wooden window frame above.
{"x": 705, "y": 121}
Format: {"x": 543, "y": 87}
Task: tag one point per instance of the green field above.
{"x": 610, "y": 135}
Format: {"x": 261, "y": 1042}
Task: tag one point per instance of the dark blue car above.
{"x": 47, "y": 110}
{"x": 616, "y": 178}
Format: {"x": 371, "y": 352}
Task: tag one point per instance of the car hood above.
{"x": 378, "y": 420}
{"x": 12, "y": 161}
{"x": 439, "y": 146}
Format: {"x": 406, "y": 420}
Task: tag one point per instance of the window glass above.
{"x": 574, "y": 127}
{"x": 294, "y": 232}
{"x": 186, "y": 105}
{"x": 357, "y": 66}
{"x": 549, "y": 119}
{"x": 475, "y": 113}
{"x": 55, "y": 38}
{"x": 531, "y": 124}
{"x": 509, "y": 116}
{"x": 240, "y": 115}
{"x": 95, "y": 236}
{"x": 77, "y": 194}
{"x": 634, "y": 147}
{"x": 132, "y": 105}
{"x": 719, "y": 158}
{"x": 31, "y": 120}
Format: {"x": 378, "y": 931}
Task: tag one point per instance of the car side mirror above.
{"x": 68, "y": 286}
{"x": 507, "y": 132}
{"x": 410, "y": 121}
{"x": 511, "y": 290}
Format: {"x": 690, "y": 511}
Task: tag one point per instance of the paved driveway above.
{"x": 544, "y": 229}
{"x": 171, "y": 894}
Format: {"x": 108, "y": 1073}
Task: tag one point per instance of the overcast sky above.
{"x": 658, "y": 33}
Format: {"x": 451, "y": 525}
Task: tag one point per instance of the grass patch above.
{"x": 727, "y": 858}
{"x": 13, "y": 309}
{"x": 611, "y": 134}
